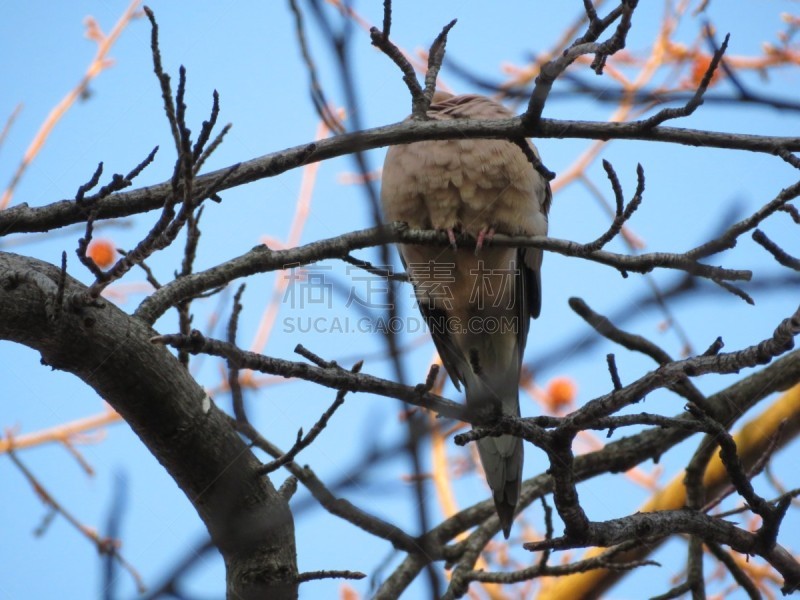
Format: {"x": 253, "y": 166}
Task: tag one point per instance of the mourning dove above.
{"x": 476, "y": 303}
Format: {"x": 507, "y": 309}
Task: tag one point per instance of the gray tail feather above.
{"x": 502, "y": 462}
{"x": 494, "y": 389}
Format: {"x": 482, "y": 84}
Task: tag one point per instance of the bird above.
{"x": 477, "y": 303}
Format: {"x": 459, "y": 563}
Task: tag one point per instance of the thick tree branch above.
{"x": 334, "y": 376}
{"x": 248, "y": 521}
{"x": 23, "y": 218}
{"x": 262, "y": 259}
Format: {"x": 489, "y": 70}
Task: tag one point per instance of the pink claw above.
{"x": 452, "y": 237}
{"x": 484, "y": 235}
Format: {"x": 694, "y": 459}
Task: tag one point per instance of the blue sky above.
{"x": 247, "y": 51}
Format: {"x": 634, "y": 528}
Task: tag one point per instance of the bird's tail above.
{"x": 502, "y": 461}
{"x": 501, "y": 456}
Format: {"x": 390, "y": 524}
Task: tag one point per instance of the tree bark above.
{"x": 249, "y": 522}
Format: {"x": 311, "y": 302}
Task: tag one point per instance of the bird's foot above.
{"x": 485, "y": 235}
{"x": 452, "y": 237}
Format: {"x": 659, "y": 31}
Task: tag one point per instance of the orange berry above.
{"x": 102, "y": 252}
{"x": 561, "y": 392}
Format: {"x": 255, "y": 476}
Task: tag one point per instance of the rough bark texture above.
{"x": 249, "y": 522}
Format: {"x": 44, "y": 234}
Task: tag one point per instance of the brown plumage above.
{"x": 477, "y": 302}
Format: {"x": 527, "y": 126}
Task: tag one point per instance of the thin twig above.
{"x": 304, "y": 442}
{"x": 105, "y": 546}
